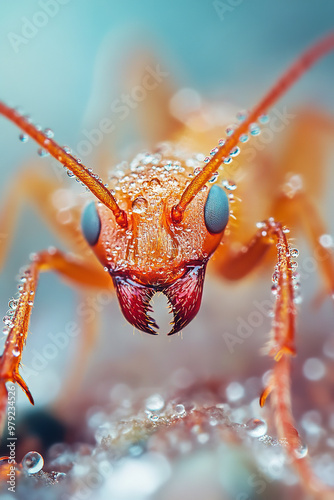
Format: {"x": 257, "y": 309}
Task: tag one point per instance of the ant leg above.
{"x": 281, "y": 346}
{"x": 306, "y": 215}
{"x": 17, "y": 324}
{"x": 55, "y": 203}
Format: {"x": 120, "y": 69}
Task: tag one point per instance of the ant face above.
{"x": 153, "y": 254}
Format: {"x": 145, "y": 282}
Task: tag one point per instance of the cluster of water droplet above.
{"x": 43, "y": 152}
{"x": 25, "y": 295}
{"x": 253, "y": 130}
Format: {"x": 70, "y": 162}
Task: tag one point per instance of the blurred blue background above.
{"x": 231, "y": 50}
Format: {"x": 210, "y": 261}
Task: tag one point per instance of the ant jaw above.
{"x": 134, "y": 300}
{"x": 184, "y": 297}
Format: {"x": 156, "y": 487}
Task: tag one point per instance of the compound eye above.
{"x": 216, "y": 210}
{"x": 91, "y": 223}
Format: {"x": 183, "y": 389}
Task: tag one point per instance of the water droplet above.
{"x": 256, "y": 427}
{"x": 221, "y": 142}
{"x": 242, "y": 115}
{"x": 59, "y": 476}
{"x": 155, "y": 403}
{"x": 275, "y": 277}
{"x": 32, "y": 462}
{"x": 13, "y": 304}
{"x": 7, "y": 320}
{"x": 301, "y": 451}
{"x": 254, "y": 129}
{"x": 229, "y": 185}
{"x": 264, "y": 119}
{"x": 244, "y": 138}
{"x": 207, "y": 159}
{"x": 230, "y": 131}
{"x": 227, "y": 160}
{"x": 214, "y": 178}
{"x": 213, "y": 151}
{"x": 155, "y": 183}
{"x": 49, "y": 133}
{"x": 42, "y": 152}
{"x": 294, "y": 252}
{"x": 139, "y": 205}
{"x": 23, "y": 137}
{"x": 235, "y": 151}
{"x": 180, "y": 409}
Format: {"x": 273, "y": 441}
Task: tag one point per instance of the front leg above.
{"x": 17, "y": 323}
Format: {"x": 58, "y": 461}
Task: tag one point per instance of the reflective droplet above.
{"x": 294, "y": 252}
{"x": 230, "y": 131}
{"x": 7, "y": 320}
{"x": 155, "y": 403}
{"x": 49, "y": 133}
{"x": 42, "y": 152}
{"x": 207, "y": 159}
{"x": 243, "y": 138}
{"x": 13, "y": 303}
{"x": 256, "y": 427}
{"x": 242, "y": 115}
{"x": 59, "y": 476}
{"x": 301, "y": 451}
{"x": 23, "y": 137}
{"x": 214, "y": 178}
{"x": 16, "y": 353}
{"x": 275, "y": 277}
{"x": 32, "y": 462}
{"x": 139, "y": 205}
{"x": 229, "y": 185}
{"x": 227, "y": 160}
{"x": 254, "y": 129}
{"x": 180, "y": 409}
{"x": 264, "y": 119}
{"x": 235, "y": 151}
{"x": 155, "y": 183}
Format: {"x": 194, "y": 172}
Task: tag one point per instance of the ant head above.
{"x": 155, "y": 254}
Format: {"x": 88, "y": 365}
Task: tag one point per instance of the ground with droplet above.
{"x": 206, "y": 439}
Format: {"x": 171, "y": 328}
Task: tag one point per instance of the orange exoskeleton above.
{"x": 154, "y": 229}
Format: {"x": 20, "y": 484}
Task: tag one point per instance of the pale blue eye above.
{"x": 91, "y": 223}
{"x": 216, "y": 210}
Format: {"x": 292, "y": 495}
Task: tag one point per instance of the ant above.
{"x": 154, "y": 230}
